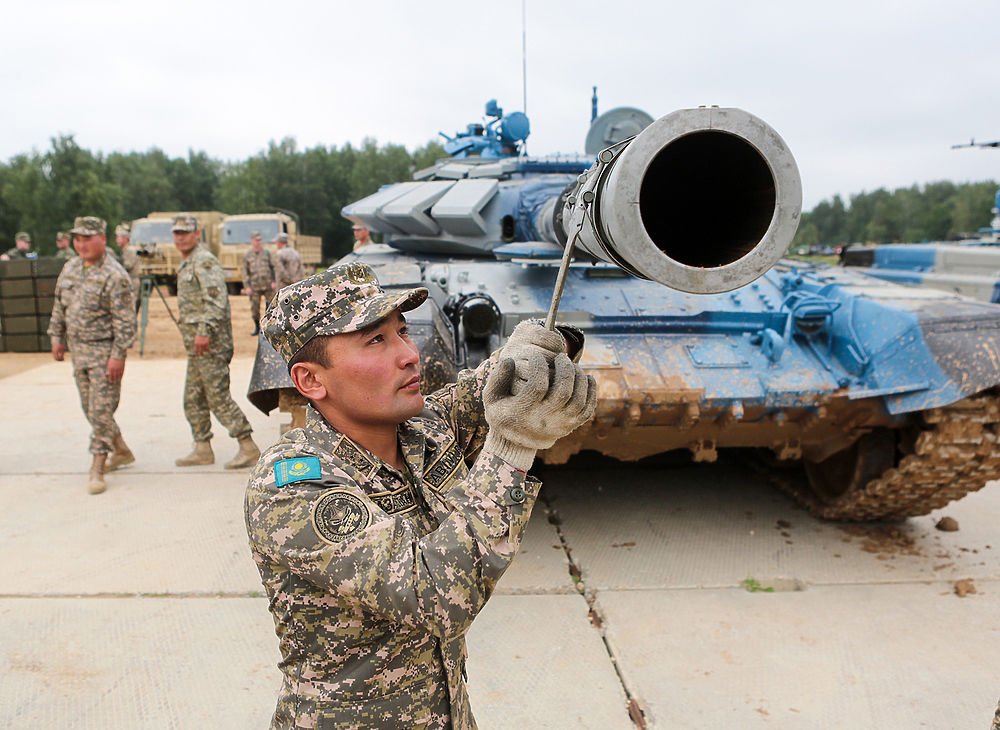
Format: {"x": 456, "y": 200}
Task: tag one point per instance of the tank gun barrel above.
{"x": 702, "y": 200}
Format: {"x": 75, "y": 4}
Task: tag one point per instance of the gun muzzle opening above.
{"x": 703, "y": 200}
{"x": 707, "y": 186}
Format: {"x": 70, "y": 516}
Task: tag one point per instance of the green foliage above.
{"x": 43, "y": 193}
{"x": 753, "y": 586}
{"x": 936, "y": 212}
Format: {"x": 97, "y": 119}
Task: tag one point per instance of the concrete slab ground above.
{"x": 140, "y": 607}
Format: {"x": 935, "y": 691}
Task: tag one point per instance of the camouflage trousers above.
{"x": 206, "y": 391}
{"x": 98, "y": 396}
{"x": 256, "y": 297}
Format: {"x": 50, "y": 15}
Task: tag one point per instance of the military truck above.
{"x": 154, "y": 242}
{"x": 235, "y": 241}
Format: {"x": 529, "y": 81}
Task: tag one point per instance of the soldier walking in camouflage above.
{"x": 207, "y": 332}
{"x": 382, "y": 527}
{"x": 94, "y": 317}
{"x": 258, "y": 277}
{"x": 287, "y": 264}
{"x": 63, "y": 249}
{"x": 21, "y": 250}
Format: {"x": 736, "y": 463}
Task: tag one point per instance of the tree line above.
{"x": 41, "y": 193}
{"x": 937, "y": 211}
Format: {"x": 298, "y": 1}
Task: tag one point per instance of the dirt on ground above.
{"x": 163, "y": 340}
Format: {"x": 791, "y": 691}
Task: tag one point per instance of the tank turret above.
{"x": 864, "y": 399}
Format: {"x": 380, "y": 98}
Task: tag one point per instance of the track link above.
{"x": 956, "y": 453}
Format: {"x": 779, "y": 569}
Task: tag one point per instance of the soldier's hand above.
{"x": 116, "y": 368}
{"x": 527, "y": 338}
{"x": 201, "y": 345}
{"x": 58, "y": 352}
{"x": 551, "y": 403}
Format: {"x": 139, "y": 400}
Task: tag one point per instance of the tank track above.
{"x": 956, "y": 453}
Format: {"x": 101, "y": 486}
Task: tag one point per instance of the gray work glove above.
{"x": 551, "y": 403}
{"x": 530, "y": 336}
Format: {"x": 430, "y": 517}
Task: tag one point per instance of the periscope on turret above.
{"x": 700, "y": 335}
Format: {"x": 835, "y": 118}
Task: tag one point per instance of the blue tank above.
{"x": 861, "y": 398}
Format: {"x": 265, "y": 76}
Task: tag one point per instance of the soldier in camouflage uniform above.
{"x": 362, "y": 236}
{"x": 63, "y": 249}
{"x": 382, "y": 527}
{"x": 130, "y": 259}
{"x": 258, "y": 277}
{"x": 94, "y": 315}
{"x": 207, "y": 332}
{"x": 287, "y": 264}
{"x": 21, "y": 250}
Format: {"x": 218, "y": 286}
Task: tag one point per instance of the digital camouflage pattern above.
{"x": 22, "y": 236}
{"x": 16, "y": 253}
{"x": 375, "y": 576}
{"x": 288, "y": 267}
{"x": 341, "y": 299}
{"x": 93, "y": 315}
{"x": 203, "y": 304}
{"x": 88, "y": 225}
{"x": 258, "y": 277}
{"x": 130, "y": 262}
{"x": 65, "y": 253}
{"x": 185, "y": 222}
{"x": 996, "y": 719}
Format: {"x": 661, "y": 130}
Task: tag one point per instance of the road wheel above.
{"x": 836, "y": 477}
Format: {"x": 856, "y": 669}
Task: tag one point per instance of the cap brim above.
{"x": 375, "y": 309}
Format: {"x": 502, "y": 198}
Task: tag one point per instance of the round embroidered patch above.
{"x": 338, "y": 515}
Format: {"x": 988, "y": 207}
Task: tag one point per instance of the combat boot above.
{"x": 246, "y": 456}
{"x": 121, "y": 456}
{"x": 201, "y": 454}
{"x": 96, "y": 484}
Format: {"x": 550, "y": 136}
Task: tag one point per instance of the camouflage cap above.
{"x": 343, "y": 298}
{"x": 62, "y": 234}
{"x": 185, "y": 223}
{"x": 123, "y": 229}
{"x": 280, "y": 237}
{"x": 22, "y": 236}
{"x": 88, "y": 226}
{"x": 255, "y": 234}
{"x": 358, "y": 227}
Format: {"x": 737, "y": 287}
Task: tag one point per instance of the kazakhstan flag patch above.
{"x": 287, "y": 471}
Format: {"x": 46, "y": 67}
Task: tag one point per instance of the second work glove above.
{"x": 551, "y": 403}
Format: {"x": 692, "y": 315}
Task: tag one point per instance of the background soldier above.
{"x": 381, "y": 528}
{"x": 258, "y": 276}
{"x": 362, "y": 236}
{"x": 288, "y": 263}
{"x": 130, "y": 259}
{"x": 21, "y": 250}
{"x": 63, "y": 249}
{"x": 205, "y": 325}
{"x": 94, "y": 314}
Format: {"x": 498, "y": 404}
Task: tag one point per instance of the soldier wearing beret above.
{"x": 21, "y": 250}
{"x": 63, "y": 249}
{"x": 258, "y": 276}
{"x": 287, "y": 263}
{"x": 207, "y": 332}
{"x": 382, "y": 527}
{"x": 94, "y": 317}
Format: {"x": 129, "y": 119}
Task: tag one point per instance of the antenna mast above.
{"x": 524, "y": 57}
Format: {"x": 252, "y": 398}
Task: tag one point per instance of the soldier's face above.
{"x": 22, "y": 244}
{"x": 374, "y": 377}
{"x": 360, "y": 234}
{"x": 122, "y": 241}
{"x": 90, "y": 248}
{"x": 185, "y": 241}
{"x": 256, "y": 242}
{"x": 62, "y": 243}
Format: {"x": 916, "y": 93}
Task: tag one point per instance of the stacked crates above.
{"x": 27, "y": 292}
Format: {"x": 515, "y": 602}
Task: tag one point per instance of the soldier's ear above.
{"x": 304, "y": 377}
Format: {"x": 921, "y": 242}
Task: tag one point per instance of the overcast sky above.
{"x": 867, "y": 94}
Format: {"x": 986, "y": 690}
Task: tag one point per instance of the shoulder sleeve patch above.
{"x": 287, "y": 471}
{"x": 338, "y": 515}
